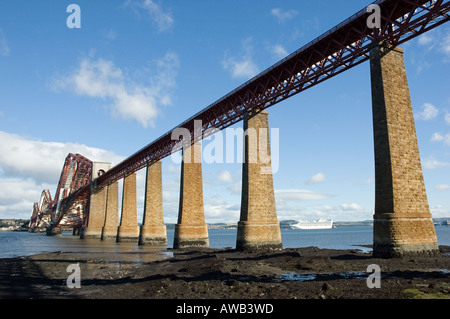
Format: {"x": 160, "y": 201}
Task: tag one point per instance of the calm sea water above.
{"x": 13, "y": 244}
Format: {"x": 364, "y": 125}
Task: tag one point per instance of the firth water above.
{"x": 14, "y": 244}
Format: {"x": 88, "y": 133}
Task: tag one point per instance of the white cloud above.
{"x": 161, "y": 18}
{"x": 317, "y": 178}
{"x": 445, "y": 43}
{"x": 438, "y": 39}
{"x": 283, "y": 15}
{"x": 442, "y": 187}
{"x": 102, "y": 79}
{"x": 425, "y": 39}
{"x": 4, "y": 48}
{"x": 341, "y": 212}
{"x": 447, "y": 118}
{"x": 447, "y": 139}
{"x": 278, "y": 51}
{"x": 429, "y": 112}
{"x": 351, "y": 207}
{"x": 439, "y": 211}
{"x": 18, "y": 195}
{"x": 236, "y": 188}
{"x": 25, "y": 158}
{"x": 225, "y": 176}
{"x": 298, "y": 195}
{"x": 432, "y": 163}
{"x": 13, "y": 191}
{"x": 28, "y": 166}
{"x": 172, "y": 169}
{"x": 243, "y": 66}
{"x": 110, "y": 34}
{"x": 437, "y": 137}
{"x": 220, "y": 211}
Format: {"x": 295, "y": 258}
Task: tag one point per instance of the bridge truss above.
{"x": 71, "y": 198}
{"x": 339, "y": 49}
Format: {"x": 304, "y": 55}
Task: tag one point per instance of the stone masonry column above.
{"x": 191, "y": 229}
{"x": 128, "y": 229}
{"x": 109, "y": 231}
{"x": 402, "y": 219}
{"x": 153, "y": 230}
{"x": 258, "y": 226}
{"x": 96, "y": 217}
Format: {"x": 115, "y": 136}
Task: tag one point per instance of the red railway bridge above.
{"x": 86, "y": 196}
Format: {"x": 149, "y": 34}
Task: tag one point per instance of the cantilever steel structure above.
{"x": 339, "y": 49}
{"x": 75, "y": 175}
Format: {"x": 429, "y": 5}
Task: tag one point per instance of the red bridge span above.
{"x": 86, "y": 196}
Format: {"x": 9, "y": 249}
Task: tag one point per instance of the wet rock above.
{"x": 327, "y": 287}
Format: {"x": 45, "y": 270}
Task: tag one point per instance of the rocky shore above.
{"x": 302, "y": 273}
{"x": 14, "y": 224}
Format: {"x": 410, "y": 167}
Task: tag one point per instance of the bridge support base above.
{"x": 153, "y": 231}
{"x": 97, "y": 206}
{"x": 128, "y": 230}
{"x": 191, "y": 229}
{"x": 54, "y": 231}
{"x": 153, "y": 235}
{"x": 402, "y": 219}
{"x": 258, "y": 227}
{"x": 109, "y": 231}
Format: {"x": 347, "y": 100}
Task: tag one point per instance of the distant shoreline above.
{"x": 22, "y": 224}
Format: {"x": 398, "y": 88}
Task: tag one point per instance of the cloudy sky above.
{"x": 137, "y": 68}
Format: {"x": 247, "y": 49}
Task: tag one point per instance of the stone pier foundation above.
{"x": 54, "y": 231}
{"x": 402, "y": 219}
{"x": 109, "y": 231}
{"x": 153, "y": 230}
{"x": 128, "y": 229}
{"x": 191, "y": 229}
{"x": 97, "y": 206}
{"x": 258, "y": 226}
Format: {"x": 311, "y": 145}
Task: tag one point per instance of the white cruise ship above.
{"x": 320, "y": 224}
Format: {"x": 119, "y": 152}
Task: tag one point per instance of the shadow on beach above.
{"x": 301, "y": 273}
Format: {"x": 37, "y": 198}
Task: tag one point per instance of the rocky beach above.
{"x": 300, "y": 273}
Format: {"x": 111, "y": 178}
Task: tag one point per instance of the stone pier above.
{"x": 109, "y": 231}
{"x": 402, "y": 219}
{"x": 258, "y": 226}
{"x": 128, "y": 229}
{"x": 191, "y": 229}
{"x": 97, "y": 206}
{"x": 153, "y": 230}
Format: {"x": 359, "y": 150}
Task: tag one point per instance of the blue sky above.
{"x": 137, "y": 68}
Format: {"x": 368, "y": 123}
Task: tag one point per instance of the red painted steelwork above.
{"x": 70, "y": 195}
{"x": 344, "y": 46}
{"x": 339, "y": 49}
